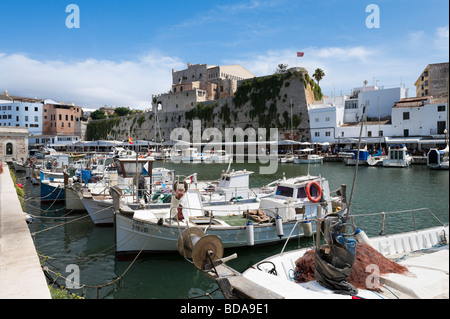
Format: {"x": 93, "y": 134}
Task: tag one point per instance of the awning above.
{"x": 403, "y": 140}
{"x": 414, "y": 140}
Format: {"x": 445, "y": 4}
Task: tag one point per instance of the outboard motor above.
{"x": 334, "y": 261}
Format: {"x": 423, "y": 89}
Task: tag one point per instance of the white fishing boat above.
{"x": 186, "y": 155}
{"x": 120, "y": 152}
{"x": 287, "y": 212}
{"x": 397, "y": 157}
{"x": 307, "y": 158}
{"x": 289, "y": 158}
{"x": 422, "y": 269}
{"x": 376, "y": 159}
{"x": 19, "y": 166}
{"x": 97, "y": 200}
{"x": 216, "y": 156}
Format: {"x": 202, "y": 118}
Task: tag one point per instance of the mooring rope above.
{"x": 98, "y": 287}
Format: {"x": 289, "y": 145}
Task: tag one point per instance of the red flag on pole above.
{"x": 300, "y": 54}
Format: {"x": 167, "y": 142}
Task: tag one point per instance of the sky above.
{"x": 124, "y": 51}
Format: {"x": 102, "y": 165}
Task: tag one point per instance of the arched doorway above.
{"x": 9, "y": 149}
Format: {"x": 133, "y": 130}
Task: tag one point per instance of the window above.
{"x": 441, "y": 127}
{"x": 441, "y": 108}
{"x": 327, "y": 119}
{"x": 406, "y": 115}
{"x": 9, "y": 149}
{"x": 67, "y": 117}
{"x": 62, "y": 124}
{"x": 369, "y": 133}
{"x": 36, "y": 109}
{"x": 351, "y": 104}
{"x": 71, "y": 118}
{"x": 301, "y": 192}
{"x": 26, "y": 108}
{"x": 26, "y": 118}
{"x": 406, "y": 133}
{"x": 317, "y": 134}
{"x": 60, "y": 117}
{"x": 36, "y": 119}
{"x": 316, "y": 119}
{"x": 380, "y": 133}
{"x": 327, "y": 134}
{"x": 284, "y": 191}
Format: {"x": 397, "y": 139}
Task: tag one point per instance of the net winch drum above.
{"x": 202, "y": 249}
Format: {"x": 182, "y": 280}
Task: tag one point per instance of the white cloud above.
{"x": 441, "y": 40}
{"x": 89, "y": 83}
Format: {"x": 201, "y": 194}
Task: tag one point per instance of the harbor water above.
{"x": 72, "y": 239}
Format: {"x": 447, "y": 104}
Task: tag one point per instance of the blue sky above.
{"x": 124, "y": 51}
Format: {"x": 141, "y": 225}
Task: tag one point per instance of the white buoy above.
{"x": 307, "y": 228}
{"x": 250, "y": 234}
{"x": 362, "y": 237}
{"x": 279, "y": 224}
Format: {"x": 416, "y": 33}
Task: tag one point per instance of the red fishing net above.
{"x": 368, "y": 261}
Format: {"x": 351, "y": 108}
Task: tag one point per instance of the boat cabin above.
{"x": 397, "y": 152}
{"x": 290, "y": 200}
{"x": 234, "y": 184}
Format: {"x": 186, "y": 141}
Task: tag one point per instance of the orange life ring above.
{"x": 308, "y": 192}
{"x": 33, "y": 160}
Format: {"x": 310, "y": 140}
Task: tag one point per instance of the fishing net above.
{"x": 366, "y": 257}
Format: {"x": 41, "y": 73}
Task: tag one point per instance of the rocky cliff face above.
{"x": 263, "y": 102}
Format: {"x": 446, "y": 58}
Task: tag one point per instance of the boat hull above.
{"x": 100, "y": 211}
{"x": 134, "y": 236}
{"x": 52, "y": 192}
{"x": 73, "y": 201}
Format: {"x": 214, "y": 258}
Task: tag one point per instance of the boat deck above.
{"x": 424, "y": 253}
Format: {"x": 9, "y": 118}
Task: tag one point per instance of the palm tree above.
{"x": 318, "y": 75}
{"x": 281, "y": 68}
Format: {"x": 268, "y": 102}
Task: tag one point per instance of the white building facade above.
{"x": 21, "y": 112}
{"x": 336, "y": 120}
{"x": 391, "y": 117}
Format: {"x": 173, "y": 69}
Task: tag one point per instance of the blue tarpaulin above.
{"x": 85, "y": 176}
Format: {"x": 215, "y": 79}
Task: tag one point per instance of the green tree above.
{"x": 122, "y": 111}
{"x": 318, "y": 75}
{"x": 98, "y": 115}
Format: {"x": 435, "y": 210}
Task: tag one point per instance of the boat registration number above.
{"x": 140, "y": 227}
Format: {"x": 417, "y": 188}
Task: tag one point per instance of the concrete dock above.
{"x": 21, "y": 276}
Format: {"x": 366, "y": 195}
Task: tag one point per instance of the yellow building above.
{"x": 433, "y": 81}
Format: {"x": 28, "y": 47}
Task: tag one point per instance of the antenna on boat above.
{"x": 357, "y": 161}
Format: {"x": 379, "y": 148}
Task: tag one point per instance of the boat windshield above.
{"x": 301, "y": 193}
{"x": 285, "y": 191}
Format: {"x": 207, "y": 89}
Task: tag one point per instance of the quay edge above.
{"x": 21, "y": 275}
